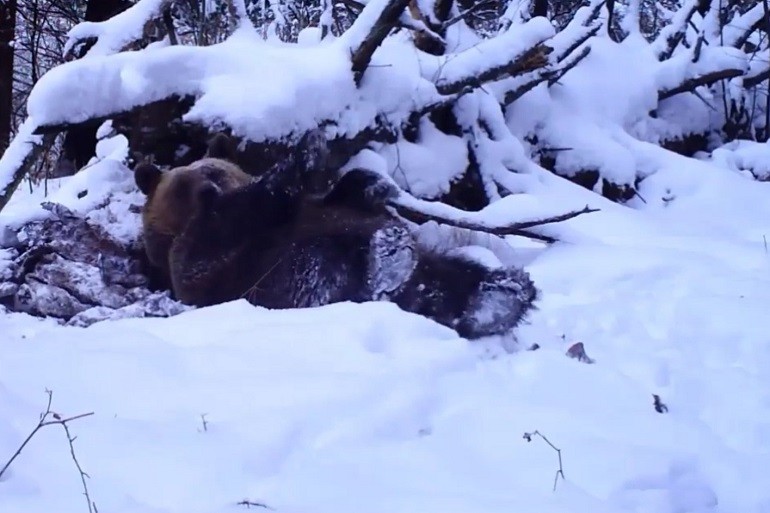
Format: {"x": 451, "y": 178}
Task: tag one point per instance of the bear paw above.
{"x": 500, "y": 303}
{"x": 392, "y": 259}
{"x": 362, "y": 189}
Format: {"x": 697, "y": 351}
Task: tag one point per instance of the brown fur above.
{"x": 220, "y": 236}
{"x": 171, "y": 201}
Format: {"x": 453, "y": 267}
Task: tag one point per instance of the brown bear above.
{"x": 172, "y": 196}
{"x": 278, "y": 243}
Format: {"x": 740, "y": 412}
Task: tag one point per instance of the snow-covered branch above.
{"x": 420, "y": 211}
{"x": 740, "y": 28}
{"x": 679, "y": 74}
{"x": 370, "y": 29}
{"x": 113, "y": 35}
{"x": 673, "y": 34}
{"x": 694, "y": 82}
{"x": 757, "y": 78}
{"x": 518, "y": 51}
{"x": 564, "y": 44}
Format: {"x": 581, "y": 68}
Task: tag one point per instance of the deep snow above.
{"x": 366, "y": 408}
{"x": 363, "y": 408}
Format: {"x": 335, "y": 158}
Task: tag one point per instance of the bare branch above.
{"x": 249, "y": 504}
{"x": 50, "y": 418}
{"x": 596, "y": 9}
{"x": 168, "y": 23}
{"x": 416, "y": 215}
{"x": 755, "y": 80}
{"x": 476, "y": 7}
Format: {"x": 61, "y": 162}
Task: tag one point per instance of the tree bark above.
{"x": 7, "y": 30}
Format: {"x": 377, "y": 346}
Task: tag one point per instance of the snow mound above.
{"x": 749, "y": 157}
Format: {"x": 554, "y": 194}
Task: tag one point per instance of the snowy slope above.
{"x": 352, "y": 408}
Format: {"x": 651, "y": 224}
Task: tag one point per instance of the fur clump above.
{"x": 281, "y": 241}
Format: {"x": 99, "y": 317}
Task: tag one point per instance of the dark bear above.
{"x": 172, "y": 196}
{"x": 278, "y": 244}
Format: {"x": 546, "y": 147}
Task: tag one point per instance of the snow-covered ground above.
{"x": 352, "y": 408}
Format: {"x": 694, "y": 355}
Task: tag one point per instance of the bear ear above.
{"x": 147, "y": 177}
{"x": 221, "y": 146}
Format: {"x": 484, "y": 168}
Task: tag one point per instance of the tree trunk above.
{"x": 7, "y": 30}
{"x": 80, "y": 142}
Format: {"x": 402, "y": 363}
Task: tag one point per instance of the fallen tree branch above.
{"x": 526, "y": 84}
{"x": 567, "y": 66}
{"x": 585, "y": 36}
{"x": 532, "y": 59}
{"x": 414, "y": 214}
{"x": 552, "y": 76}
{"x": 385, "y": 22}
{"x": 695, "y": 82}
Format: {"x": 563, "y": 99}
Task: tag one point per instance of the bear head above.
{"x": 174, "y": 196}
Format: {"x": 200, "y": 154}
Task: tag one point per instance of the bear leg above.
{"x": 392, "y": 260}
{"x": 500, "y": 303}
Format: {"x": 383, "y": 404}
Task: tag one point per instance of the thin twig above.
{"x": 249, "y": 504}
{"x": 57, "y": 419}
{"x": 560, "y": 471}
{"x": 465, "y": 13}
